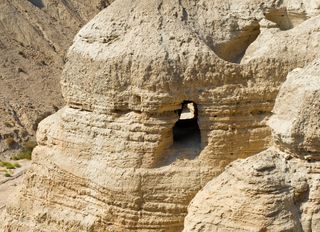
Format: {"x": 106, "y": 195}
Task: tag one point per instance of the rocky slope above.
{"x": 34, "y": 36}
{"x": 115, "y": 158}
{"x": 278, "y": 189}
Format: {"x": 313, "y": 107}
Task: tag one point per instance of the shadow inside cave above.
{"x": 186, "y": 136}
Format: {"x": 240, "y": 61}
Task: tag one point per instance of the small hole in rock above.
{"x": 136, "y": 99}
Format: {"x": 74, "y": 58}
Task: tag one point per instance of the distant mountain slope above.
{"x": 34, "y": 37}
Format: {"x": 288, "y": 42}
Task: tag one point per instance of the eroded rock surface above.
{"x": 295, "y": 124}
{"x": 278, "y": 189}
{"x": 110, "y": 160}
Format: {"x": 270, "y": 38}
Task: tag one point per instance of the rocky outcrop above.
{"x": 278, "y": 189}
{"x": 118, "y": 157}
{"x": 295, "y": 124}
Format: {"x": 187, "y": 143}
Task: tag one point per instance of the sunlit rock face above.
{"x": 296, "y": 124}
{"x": 278, "y": 189}
{"x": 121, "y": 156}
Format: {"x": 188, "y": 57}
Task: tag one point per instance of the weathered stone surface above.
{"x": 296, "y": 124}
{"x": 261, "y": 193}
{"x": 108, "y": 161}
{"x": 278, "y": 189}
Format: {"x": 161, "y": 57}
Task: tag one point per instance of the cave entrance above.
{"x": 186, "y": 134}
{"x": 186, "y": 131}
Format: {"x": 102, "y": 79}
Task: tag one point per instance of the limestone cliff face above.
{"x": 278, "y": 189}
{"x": 114, "y": 159}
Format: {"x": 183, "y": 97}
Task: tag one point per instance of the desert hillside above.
{"x": 34, "y": 38}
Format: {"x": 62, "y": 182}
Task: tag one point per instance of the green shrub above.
{"x": 23, "y": 154}
{"x": 7, "y": 165}
{"x": 26, "y": 151}
{"x": 7, "y": 174}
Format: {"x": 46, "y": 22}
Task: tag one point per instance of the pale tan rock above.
{"x": 298, "y": 11}
{"x": 278, "y": 189}
{"x": 275, "y": 40}
{"x": 296, "y": 121}
{"x": 261, "y": 193}
{"x": 108, "y": 160}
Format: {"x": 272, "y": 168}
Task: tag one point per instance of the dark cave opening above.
{"x": 186, "y": 134}
{"x": 186, "y": 131}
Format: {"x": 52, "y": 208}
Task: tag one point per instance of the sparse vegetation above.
{"x": 9, "y": 165}
{"x": 7, "y": 174}
{"x": 26, "y": 151}
{"x": 8, "y": 168}
{"x": 23, "y": 154}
